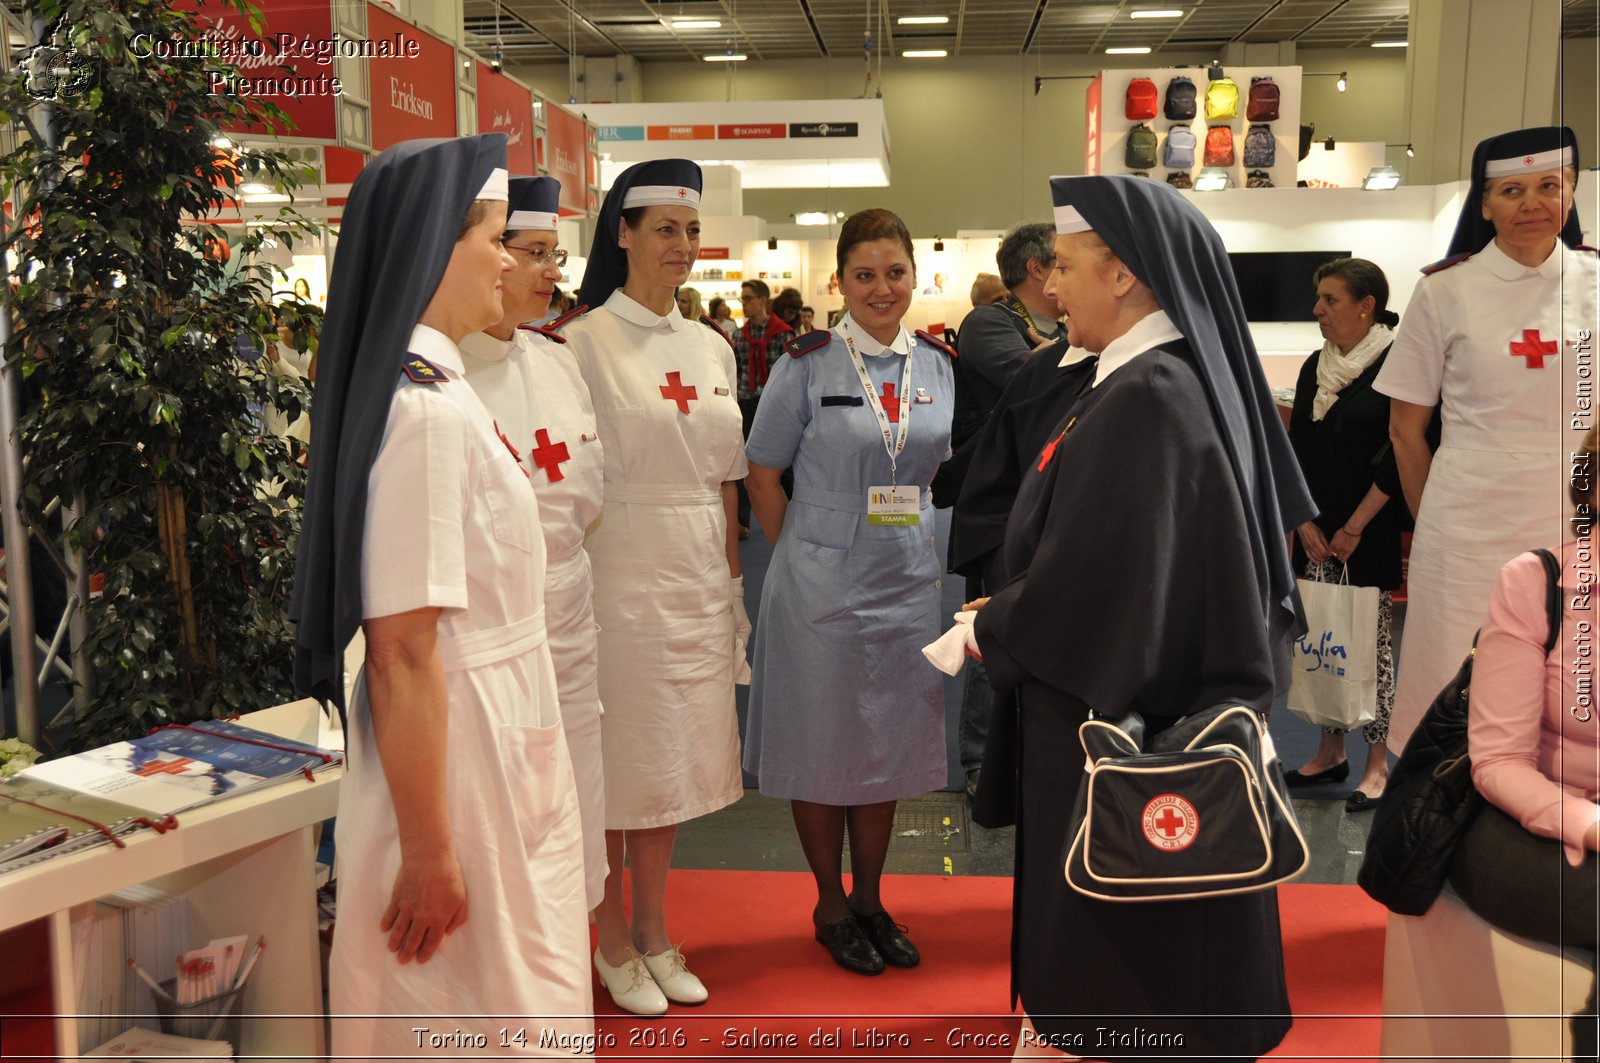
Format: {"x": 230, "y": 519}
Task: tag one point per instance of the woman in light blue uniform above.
{"x": 846, "y": 716}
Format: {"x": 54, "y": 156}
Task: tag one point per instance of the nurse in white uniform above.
{"x": 1500, "y": 337}
{"x": 460, "y": 846}
{"x": 530, "y": 383}
{"x": 667, "y": 591}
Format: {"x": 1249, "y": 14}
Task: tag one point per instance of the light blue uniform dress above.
{"x": 844, "y": 709}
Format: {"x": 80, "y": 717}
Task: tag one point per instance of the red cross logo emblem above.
{"x": 175, "y": 766}
{"x": 674, "y": 390}
{"x": 1533, "y": 348}
{"x": 549, "y": 456}
{"x": 683, "y": 193}
{"x": 1170, "y": 823}
{"x": 891, "y": 403}
{"x": 1527, "y": 160}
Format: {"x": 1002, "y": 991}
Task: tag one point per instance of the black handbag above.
{"x": 1198, "y": 810}
{"x": 1430, "y": 799}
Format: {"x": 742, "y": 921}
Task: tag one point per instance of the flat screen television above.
{"x": 1277, "y": 285}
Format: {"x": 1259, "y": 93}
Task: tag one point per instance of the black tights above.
{"x": 822, "y": 830}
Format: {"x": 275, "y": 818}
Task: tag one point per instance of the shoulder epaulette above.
{"x": 802, "y": 345}
{"x": 543, "y": 331}
{"x": 564, "y": 318}
{"x": 937, "y": 343}
{"x": 1586, "y": 247}
{"x": 1445, "y": 263}
{"x": 706, "y": 320}
{"x": 422, "y": 371}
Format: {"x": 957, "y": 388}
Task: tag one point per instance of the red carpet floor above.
{"x": 775, "y": 992}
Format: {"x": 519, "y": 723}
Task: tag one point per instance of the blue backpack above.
{"x": 1178, "y": 154}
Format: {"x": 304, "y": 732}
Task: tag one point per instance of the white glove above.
{"x": 950, "y": 651}
{"x": 741, "y": 631}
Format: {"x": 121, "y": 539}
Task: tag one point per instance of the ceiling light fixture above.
{"x": 1159, "y": 12}
{"x": 938, "y": 243}
{"x": 1343, "y": 82}
{"x": 1128, "y": 51}
{"x": 772, "y": 243}
{"x": 1411, "y": 152}
{"x": 922, "y": 20}
{"x": 1343, "y": 76}
{"x": 725, "y": 57}
{"x": 1381, "y": 179}
{"x": 1391, "y": 44}
{"x": 813, "y": 217}
{"x": 696, "y": 24}
{"x": 924, "y": 53}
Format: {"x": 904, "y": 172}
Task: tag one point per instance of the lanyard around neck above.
{"x": 893, "y": 442}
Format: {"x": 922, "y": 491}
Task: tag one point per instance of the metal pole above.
{"x": 25, "y": 690}
{"x": 83, "y": 686}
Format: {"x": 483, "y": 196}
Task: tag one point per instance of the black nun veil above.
{"x": 1473, "y": 230}
{"x": 400, "y": 226}
{"x": 1171, "y": 247}
{"x": 607, "y": 268}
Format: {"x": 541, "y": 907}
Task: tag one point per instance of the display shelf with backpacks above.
{"x": 1141, "y": 150}
{"x": 1260, "y": 148}
{"x": 1430, "y": 799}
{"x": 1219, "y": 146}
{"x": 1139, "y": 102}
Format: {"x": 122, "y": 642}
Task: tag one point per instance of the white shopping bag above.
{"x": 1334, "y": 666}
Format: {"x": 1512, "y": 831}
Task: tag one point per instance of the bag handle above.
{"x": 1552, "y": 571}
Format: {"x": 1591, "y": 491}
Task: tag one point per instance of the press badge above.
{"x": 894, "y": 505}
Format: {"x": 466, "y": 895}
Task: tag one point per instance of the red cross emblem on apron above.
{"x": 549, "y": 456}
{"x": 675, "y": 390}
{"x": 1533, "y": 348}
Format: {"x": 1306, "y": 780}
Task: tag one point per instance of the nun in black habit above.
{"x": 1146, "y": 572}
{"x": 461, "y": 884}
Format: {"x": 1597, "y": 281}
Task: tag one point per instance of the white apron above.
{"x": 464, "y": 538}
{"x": 663, "y": 391}
{"x": 1501, "y": 341}
{"x": 541, "y": 406}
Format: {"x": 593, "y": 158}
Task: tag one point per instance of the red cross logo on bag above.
{"x": 1170, "y": 823}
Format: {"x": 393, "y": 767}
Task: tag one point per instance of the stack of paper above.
{"x": 39, "y": 821}
{"x": 137, "y": 1043}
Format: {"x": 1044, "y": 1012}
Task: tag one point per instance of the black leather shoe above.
{"x": 847, "y": 942}
{"x": 1338, "y": 773}
{"x": 1358, "y": 801}
{"x": 890, "y": 939}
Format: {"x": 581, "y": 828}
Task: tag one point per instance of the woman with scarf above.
{"x": 1340, "y": 432}
{"x": 1495, "y": 338}
{"x": 1147, "y": 573}
{"x": 461, "y": 854}
{"x": 668, "y": 595}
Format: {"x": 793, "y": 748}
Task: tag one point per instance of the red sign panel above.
{"x": 413, "y": 92}
{"x": 1091, "y": 139}
{"x": 506, "y": 107}
{"x": 290, "y": 64}
{"x": 714, "y": 252}
{"x": 680, "y": 132}
{"x": 752, "y": 132}
{"x": 567, "y": 140}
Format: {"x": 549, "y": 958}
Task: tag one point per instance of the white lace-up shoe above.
{"x": 632, "y": 986}
{"x": 671, "y": 972}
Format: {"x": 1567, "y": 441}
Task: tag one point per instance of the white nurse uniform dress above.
{"x": 664, "y": 396}
{"x": 451, "y": 523}
{"x": 541, "y": 406}
{"x": 1496, "y": 343}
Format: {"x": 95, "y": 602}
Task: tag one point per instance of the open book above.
{"x": 177, "y": 768}
{"x": 39, "y": 821}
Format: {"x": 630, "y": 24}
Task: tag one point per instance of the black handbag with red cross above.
{"x": 1197, "y": 810}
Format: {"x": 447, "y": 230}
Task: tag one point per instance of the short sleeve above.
{"x": 782, "y": 416}
{"x": 1414, "y": 370}
{"x": 730, "y": 366}
{"x": 413, "y": 552}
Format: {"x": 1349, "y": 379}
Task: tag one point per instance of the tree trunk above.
{"x": 174, "y": 530}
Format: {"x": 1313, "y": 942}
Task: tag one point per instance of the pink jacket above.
{"x": 1534, "y": 725}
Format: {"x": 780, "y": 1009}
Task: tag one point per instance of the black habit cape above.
{"x": 1473, "y": 231}
{"x": 1147, "y": 572}
{"x": 400, "y": 226}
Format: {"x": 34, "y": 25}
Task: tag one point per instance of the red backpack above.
{"x": 1219, "y": 146}
{"x": 1263, "y": 103}
{"x": 1141, "y": 100}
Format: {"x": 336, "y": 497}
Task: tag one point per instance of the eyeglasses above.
{"x": 541, "y": 257}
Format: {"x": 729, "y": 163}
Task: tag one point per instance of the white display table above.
{"x": 245, "y": 864}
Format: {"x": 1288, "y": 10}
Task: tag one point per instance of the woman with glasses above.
{"x": 667, "y": 590}
{"x": 541, "y": 409}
